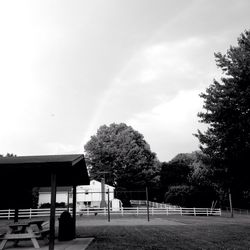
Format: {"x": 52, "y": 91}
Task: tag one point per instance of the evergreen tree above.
{"x": 227, "y": 112}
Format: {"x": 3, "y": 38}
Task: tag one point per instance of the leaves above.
{"x": 227, "y": 112}
{"x": 124, "y": 153}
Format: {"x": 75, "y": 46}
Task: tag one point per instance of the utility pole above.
{"x": 103, "y": 202}
{"x": 230, "y": 203}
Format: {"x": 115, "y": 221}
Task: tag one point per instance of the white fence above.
{"x": 32, "y": 213}
{"x": 29, "y": 213}
{"x": 140, "y": 203}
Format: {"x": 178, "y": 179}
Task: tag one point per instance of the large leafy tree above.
{"x": 227, "y": 112}
{"x": 185, "y": 180}
{"x": 122, "y": 152}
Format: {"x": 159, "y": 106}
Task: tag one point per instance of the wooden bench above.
{"x": 17, "y": 237}
{"x": 18, "y": 232}
{"x": 43, "y": 234}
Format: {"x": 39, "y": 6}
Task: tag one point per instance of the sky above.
{"x": 68, "y": 67}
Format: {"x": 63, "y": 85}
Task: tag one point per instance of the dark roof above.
{"x": 36, "y": 159}
{"x": 36, "y": 170}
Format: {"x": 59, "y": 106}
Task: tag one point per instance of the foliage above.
{"x": 35, "y": 197}
{"x": 190, "y": 196}
{"x": 58, "y": 205}
{"x": 122, "y": 152}
{"x": 8, "y": 155}
{"x": 227, "y": 112}
{"x": 174, "y": 173}
{"x": 189, "y": 168}
{"x": 179, "y": 195}
{"x": 186, "y": 180}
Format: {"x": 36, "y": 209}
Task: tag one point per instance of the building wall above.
{"x": 86, "y": 195}
{"x": 44, "y": 197}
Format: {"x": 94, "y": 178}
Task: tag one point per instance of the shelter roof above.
{"x": 36, "y": 170}
{"x": 36, "y": 159}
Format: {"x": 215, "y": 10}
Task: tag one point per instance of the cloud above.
{"x": 62, "y": 148}
{"x": 183, "y": 58}
{"x": 156, "y": 73}
{"x": 169, "y": 127}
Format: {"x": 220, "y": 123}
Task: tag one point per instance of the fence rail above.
{"x": 32, "y": 213}
{"x": 237, "y": 210}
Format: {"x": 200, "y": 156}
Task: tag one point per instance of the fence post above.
{"x": 194, "y": 212}
{"x": 137, "y": 211}
{"x": 108, "y": 207}
{"x": 181, "y": 210}
{"x": 207, "y": 211}
{"x": 30, "y": 212}
{"x": 9, "y": 214}
{"x": 147, "y": 203}
{"x": 152, "y": 210}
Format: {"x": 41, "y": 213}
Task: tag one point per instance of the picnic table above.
{"x": 31, "y": 230}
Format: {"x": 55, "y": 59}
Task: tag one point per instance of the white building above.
{"x": 86, "y": 195}
{"x": 62, "y": 195}
{"x": 90, "y": 195}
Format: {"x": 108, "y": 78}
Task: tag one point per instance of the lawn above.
{"x": 195, "y": 233}
{"x": 164, "y": 232}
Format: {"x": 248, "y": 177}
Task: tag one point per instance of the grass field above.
{"x": 164, "y": 232}
{"x": 188, "y": 233}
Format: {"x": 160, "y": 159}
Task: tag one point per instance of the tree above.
{"x": 186, "y": 180}
{"x": 227, "y": 112}
{"x": 122, "y": 152}
{"x": 174, "y": 173}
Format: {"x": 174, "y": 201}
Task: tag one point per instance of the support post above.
{"x": 17, "y": 203}
{"x": 52, "y": 212}
{"x": 68, "y": 201}
{"x": 147, "y": 203}
{"x": 103, "y": 202}
{"x": 230, "y": 202}
{"x": 74, "y": 210}
{"x": 108, "y": 208}
{"x": 16, "y": 214}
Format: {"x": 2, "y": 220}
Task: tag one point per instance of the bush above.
{"x": 58, "y": 205}
{"x": 190, "y": 196}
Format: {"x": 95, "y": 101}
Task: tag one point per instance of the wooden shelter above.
{"x": 42, "y": 171}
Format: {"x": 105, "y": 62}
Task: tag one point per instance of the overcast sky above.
{"x": 68, "y": 67}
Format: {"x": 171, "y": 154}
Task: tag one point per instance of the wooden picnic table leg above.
{"x": 3, "y": 243}
{"x": 33, "y": 239}
{"x": 35, "y": 243}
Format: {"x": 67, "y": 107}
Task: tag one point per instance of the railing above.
{"x": 31, "y": 213}
{"x": 142, "y": 203}
{"x": 237, "y": 210}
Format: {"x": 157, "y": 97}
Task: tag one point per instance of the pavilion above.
{"x": 42, "y": 171}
